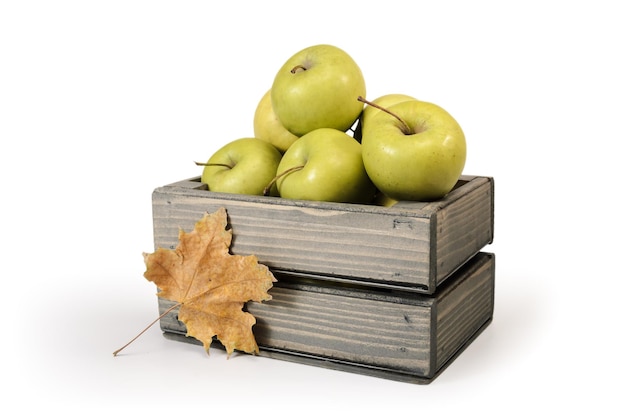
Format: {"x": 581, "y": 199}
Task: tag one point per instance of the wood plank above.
{"x": 412, "y": 246}
{"x": 393, "y": 334}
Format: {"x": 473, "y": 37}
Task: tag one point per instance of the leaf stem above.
{"x": 146, "y": 329}
{"x": 213, "y": 164}
{"x": 298, "y": 68}
{"x": 268, "y": 188}
{"x": 405, "y": 127}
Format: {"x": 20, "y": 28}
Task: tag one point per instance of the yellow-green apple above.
{"x": 324, "y": 165}
{"x": 268, "y": 127}
{"x": 244, "y": 166}
{"x": 318, "y": 87}
{"x": 415, "y": 151}
{"x": 369, "y": 110}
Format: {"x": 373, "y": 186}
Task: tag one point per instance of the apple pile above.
{"x": 316, "y": 137}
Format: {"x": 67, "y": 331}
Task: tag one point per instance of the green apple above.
{"x": 268, "y": 127}
{"x": 325, "y": 165}
{"x": 243, "y": 166}
{"x": 318, "y": 87}
{"x": 383, "y": 101}
{"x": 417, "y": 156}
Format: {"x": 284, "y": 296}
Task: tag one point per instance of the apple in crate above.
{"x": 325, "y": 165}
{"x": 318, "y": 87}
{"x": 244, "y": 166}
{"x": 268, "y": 127}
{"x": 414, "y": 151}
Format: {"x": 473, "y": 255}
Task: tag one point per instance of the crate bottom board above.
{"x": 332, "y": 364}
{"x": 391, "y": 334}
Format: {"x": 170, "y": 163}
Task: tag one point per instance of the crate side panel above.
{"x": 353, "y": 244}
{"x": 392, "y": 334}
{"x": 464, "y": 306}
{"x": 357, "y": 331}
{"x": 464, "y": 227}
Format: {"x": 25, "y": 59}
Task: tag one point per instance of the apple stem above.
{"x": 268, "y": 188}
{"x": 297, "y": 67}
{"x": 213, "y": 164}
{"x": 115, "y": 353}
{"x": 405, "y": 127}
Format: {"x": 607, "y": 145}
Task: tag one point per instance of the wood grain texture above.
{"x": 412, "y": 246}
{"x": 393, "y": 334}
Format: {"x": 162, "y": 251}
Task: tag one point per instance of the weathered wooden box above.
{"x": 395, "y": 292}
{"x": 412, "y": 246}
{"x": 396, "y": 335}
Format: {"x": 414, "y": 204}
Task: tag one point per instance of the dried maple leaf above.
{"x": 210, "y": 284}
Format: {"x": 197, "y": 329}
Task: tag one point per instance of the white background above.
{"x": 103, "y": 101}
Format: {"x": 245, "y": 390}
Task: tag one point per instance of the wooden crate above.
{"x": 411, "y": 246}
{"x": 398, "y": 335}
